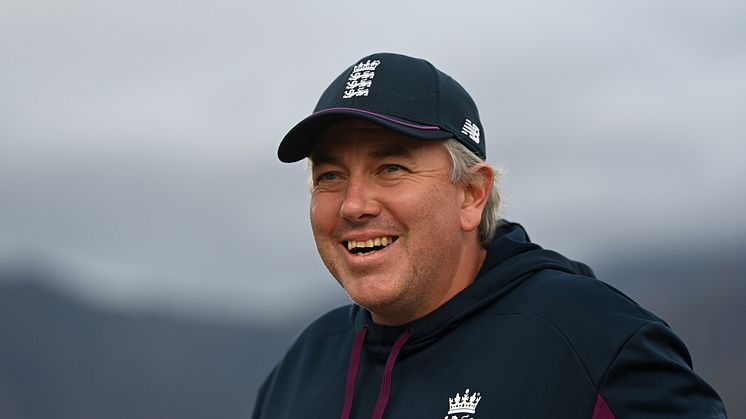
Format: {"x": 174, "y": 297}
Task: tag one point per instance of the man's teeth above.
{"x": 377, "y": 242}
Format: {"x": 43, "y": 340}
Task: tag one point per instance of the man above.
{"x": 457, "y": 314}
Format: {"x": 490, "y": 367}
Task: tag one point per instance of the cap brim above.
{"x": 299, "y": 141}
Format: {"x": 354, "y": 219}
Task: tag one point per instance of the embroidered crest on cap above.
{"x": 471, "y": 130}
{"x": 463, "y": 404}
{"x": 360, "y": 79}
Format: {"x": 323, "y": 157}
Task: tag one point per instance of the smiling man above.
{"x": 455, "y": 313}
{"x": 389, "y": 223}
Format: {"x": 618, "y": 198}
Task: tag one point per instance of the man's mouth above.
{"x": 369, "y": 246}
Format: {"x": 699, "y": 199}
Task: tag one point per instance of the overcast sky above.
{"x": 138, "y": 138}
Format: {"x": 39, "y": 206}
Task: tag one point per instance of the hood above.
{"x": 511, "y": 258}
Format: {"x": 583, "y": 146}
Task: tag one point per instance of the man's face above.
{"x": 387, "y": 219}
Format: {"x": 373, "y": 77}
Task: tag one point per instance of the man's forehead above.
{"x": 360, "y": 133}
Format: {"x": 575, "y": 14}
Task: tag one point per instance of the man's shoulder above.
{"x": 316, "y": 348}
{"x": 593, "y": 318}
{"x": 565, "y": 297}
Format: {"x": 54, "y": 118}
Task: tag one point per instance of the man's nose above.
{"x": 360, "y": 200}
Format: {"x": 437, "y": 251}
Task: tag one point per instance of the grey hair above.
{"x": 463, "y": 162}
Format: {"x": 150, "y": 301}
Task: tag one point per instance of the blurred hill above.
{"x": 63, "y": 358}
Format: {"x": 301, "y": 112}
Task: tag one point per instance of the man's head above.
{"x": 402, "y": 202}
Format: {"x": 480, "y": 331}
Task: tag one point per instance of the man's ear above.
{"x": 477, "y": 192}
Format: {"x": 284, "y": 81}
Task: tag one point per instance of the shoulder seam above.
{"x": 622, "y": 347}
{"x": 570, "y": 344}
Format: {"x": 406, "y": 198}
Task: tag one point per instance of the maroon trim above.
{"x": 377, "y": 115}
{"x": 357, "y": 348}
{"x": 601, "y": 410}
{"x": 383, "y": 394}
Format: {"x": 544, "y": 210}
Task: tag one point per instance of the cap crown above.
{"x": 405, "y": 94}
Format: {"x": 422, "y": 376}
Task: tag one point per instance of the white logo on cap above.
{"x": 360, "y": 79}
{"x": 471, "y": 130}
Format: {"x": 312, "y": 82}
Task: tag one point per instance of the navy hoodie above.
{"x": 535, "y": 336}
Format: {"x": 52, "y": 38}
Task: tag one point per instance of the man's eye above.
{"x": 391, "y": 168}
{"x": 326, "y": 176}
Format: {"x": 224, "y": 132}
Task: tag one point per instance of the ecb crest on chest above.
{"x": 463, "y": 407}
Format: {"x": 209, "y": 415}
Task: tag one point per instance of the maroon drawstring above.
{"x": 357, "y": 348}
{"x": 385, "y": 391}
{"x": 383, "y": 394}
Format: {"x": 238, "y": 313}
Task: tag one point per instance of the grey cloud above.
{"x": 137, "y": 140}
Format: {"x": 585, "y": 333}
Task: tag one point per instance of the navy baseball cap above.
{"x": 407, "y": 95}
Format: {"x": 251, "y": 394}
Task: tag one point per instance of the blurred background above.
{"x": 156, "y": 258}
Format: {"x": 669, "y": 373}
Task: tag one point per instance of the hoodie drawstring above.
{"x": 385, "y": 391}
{"x": 383, "y": 394}
{"x": 357, "y": 348}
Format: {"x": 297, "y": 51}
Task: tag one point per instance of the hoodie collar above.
{"x": 511, "y": 258}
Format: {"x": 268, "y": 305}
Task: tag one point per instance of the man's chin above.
{"x": 389, "y": 313}
{"x": 374, "y": 302}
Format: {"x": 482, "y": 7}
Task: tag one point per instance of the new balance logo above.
{"x": 471, "y": 130}
{"x": 359, "y": 82}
